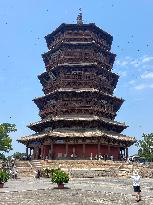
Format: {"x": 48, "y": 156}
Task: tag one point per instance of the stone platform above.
{"x": 85, "y": 168}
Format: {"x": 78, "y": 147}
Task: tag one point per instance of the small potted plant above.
{"x": 60, "y": 178}
{"x": 4, "y": 176}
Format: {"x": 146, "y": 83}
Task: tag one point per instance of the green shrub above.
{"x": 47, "y": 172}
{"x": 4, "y": 176}
{"x": 60, "y": 176}
{"x": 2, "y": 156}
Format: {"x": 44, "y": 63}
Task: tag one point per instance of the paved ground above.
{"x": 94, "y": 191}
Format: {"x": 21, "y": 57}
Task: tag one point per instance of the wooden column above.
{"x": 124, "y": 152}
{"x": 27, "y": 151}
{"x": 34, "y": 153}
{"x": 98, "y": 149}
{"x": 84, "y": 149}
{"x": 118, "y": 157}
{"x": 127, "y": 153}
{"x": 42, "y": 151}
{"x": 37, "y": 152}
{"x": 30, "y": 152}
{"x": 51, "y": 149}
{"x": 108, "y": 150}
{"x": 66, "y": 149}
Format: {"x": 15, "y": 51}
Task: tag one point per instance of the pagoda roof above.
{"x": 76, "y": 118}
{"x": 77, "y": 91}
{"x": 77, "y": 65}
{"x": 73, "y": 43}
{"x": 67, "y": 133}
{"x": 90, "y": 26}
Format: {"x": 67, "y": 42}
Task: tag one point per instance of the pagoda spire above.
{"x": 79, "y": 18}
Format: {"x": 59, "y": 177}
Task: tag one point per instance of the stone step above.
{"x": 36, "y": 164}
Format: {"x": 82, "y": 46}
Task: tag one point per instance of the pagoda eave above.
{"x": 78, "y": 44}
{"x": 79, "y": 65}
{"x": 61, "y": 134}
{"x": 48, "y": 122}
{"x": 89, "y": 26}
{"x": 68, "y": 90}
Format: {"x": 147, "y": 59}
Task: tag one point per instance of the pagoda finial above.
{"x": 79, "y": 18}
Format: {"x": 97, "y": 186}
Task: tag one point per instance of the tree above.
{"x": 5, "y": 139}
{"x": 146, "y": 147}
{"x": 19, "y": 155}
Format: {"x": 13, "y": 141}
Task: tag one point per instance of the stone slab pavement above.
{"x": 91, "y": 191}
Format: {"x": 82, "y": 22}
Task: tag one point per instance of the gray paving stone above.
{"x": 94, "y": 191}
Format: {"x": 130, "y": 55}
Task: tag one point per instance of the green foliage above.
{"x": 2, "y": 157}
{"x": 60, "y": 176}
{"x": 47, "y": 172}
{"x": 146, "y": 147}
{"x": 4, "y": 176}
{"x": 5, "y": 140}
{"x": 19, "y": 155}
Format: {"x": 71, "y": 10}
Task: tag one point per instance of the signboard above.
{"x": 59, "y": 141}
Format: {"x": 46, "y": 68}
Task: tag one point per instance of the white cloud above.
{"x": 151, "y": 86}
{"x": 140, "y": 87}
{"x": 122, "y": 73}
{"x": 121, "y": 63}
{"x": 135, "y": 63}
{"x": 137, "y": 71}
{"x": 147, "y": 59}
{"x": 144, "y": 61}
{"x": 131, "y": 82}
{"x": 143, "y": 86}
{"x": 147, "y": 75}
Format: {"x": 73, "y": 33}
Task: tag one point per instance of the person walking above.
{"x": 136, "y": 185}
{"x": 38, "y": 174}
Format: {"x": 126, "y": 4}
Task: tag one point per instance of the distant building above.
{"x": 78, "y": 107}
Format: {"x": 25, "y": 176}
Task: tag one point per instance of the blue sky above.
{"x": 23, "y": 27}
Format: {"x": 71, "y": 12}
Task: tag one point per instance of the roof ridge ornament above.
{"x": 79, "y": 18}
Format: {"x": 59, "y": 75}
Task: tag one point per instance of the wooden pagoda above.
{"x": 78, "y": 107}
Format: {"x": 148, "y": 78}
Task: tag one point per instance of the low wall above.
{"x": 94, "y": 168}
{"x": 74, "y": 173}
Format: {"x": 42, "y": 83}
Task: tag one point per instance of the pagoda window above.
{"x": 76, "y": 34}
{"x": 67, "y": 76}
{"x": 69, "y": 32}
{"x": 88, "y": 102}
{"x": 89, "y": 76}
{"x": 76, "y": 74}
{"x": 68, "y": 53}
{"x": 87, "y": 54}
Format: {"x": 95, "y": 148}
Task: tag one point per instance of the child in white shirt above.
{"x": 136, "y": 185}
